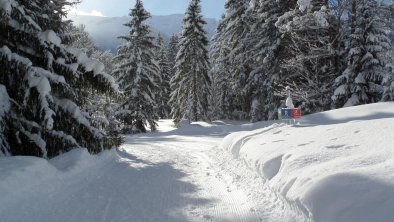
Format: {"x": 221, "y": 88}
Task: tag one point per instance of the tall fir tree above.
{"x": 271, "y": 49}
{"x": 138, "y": 74}
{"x": 221, "y": 100}
{"x": 238, "y": 25}
{"x": 191, "y": 83}
{"x": 43, "y": 84}
{"x": 164, "y": 108}
{"x": 172, "y": 51}
{"x": 361, "y": 82}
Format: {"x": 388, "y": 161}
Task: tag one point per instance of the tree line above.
{"x": 331, "y": 53}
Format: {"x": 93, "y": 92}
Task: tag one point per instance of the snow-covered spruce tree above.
{"x": 43, "y": 84}
{"x": 172, "y": 51}
{"x": 164, "y": 108}
{"x": 100, "y": 107}
{"x": 361, "y": 82}
{"x": 237, "y": 26}
{"x": 191, "y": 83}
{"x": 138, "y": 74}
{"x": 222, "y": 97}
{"x": 269, "y": 48}
{"x": 309, "y": 70}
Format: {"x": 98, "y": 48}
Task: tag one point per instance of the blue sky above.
{"x": 210, "y": 8}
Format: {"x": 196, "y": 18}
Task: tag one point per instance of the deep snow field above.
{"x": 334, "y": 166}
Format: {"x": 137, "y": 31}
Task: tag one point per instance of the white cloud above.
{"x": 94, "y": 12}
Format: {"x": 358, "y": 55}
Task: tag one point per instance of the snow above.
{"x": 73, "y": 109}
{"x": 334, "y": 166}
{"x": 50, "y": 37}
{"x": 5, "y": 5}
{"x": 7, "y": 53}
{"x": 5, "y": 104}
{"x": 337, "y": 166}
{"x": 90, "y": 65}
{"x": 304, "y": 4}
{"x": 320, "y": 17}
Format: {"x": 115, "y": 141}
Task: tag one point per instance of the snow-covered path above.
{"x": 186, "y": 186}
{"x": 195, "y": 181}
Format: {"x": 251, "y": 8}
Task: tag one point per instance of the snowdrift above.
{"x": 334, "y": 166}
{"x": 23, "y": 176}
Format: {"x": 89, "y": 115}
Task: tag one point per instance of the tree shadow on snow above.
{"x": 115, "y": 192}
{"x": 154, "y": 192}
{"x": 326, "y": 119}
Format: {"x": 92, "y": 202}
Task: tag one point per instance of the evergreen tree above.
{"x": 172, "y": 51}
{"x": 221, "y": 100}
{"x": 43, "y": 84}
{"x": 238, "y": 25}
{"x": 248, "y": 51}
{"x": 165, "y": 90}
{"x": 361, "y": 82}
{"x": 138, "y": 74}
{"x": 309, "y": 70}
{"x": 100, "y": 107}
{"x": 191, "y": 83}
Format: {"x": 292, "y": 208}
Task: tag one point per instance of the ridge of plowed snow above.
{"x": 336, "y": 165}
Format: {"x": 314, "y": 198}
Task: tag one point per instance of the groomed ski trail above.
{"x": 224, "y": 189}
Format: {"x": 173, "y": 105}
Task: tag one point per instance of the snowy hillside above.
{"x": 105, "y": 30}
{"x": 334, "y": 166}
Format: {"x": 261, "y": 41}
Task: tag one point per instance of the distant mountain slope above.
{"x": 105, "y": 30}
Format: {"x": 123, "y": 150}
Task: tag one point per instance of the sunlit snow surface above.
{"x": 334, "y": 166}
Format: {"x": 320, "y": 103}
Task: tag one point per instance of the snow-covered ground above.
{"x": 334, "y": 166}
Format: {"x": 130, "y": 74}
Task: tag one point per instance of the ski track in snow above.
{"x": 215, "y": 201}
{"x": 227, "y": 192}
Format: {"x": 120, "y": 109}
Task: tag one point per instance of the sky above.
{"x": 210, "y": 8}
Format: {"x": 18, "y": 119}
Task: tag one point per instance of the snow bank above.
{"x": 80, "y": 159}
{"x": 19, "y": 175}
{"x": 23, "y": 175}
{"x": 335, "y": 166}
